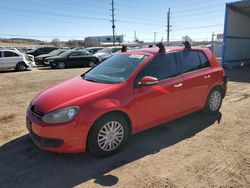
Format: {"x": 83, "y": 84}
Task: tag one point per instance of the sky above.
{"x": 76, "y": 19}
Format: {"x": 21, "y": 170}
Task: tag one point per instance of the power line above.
{"x": 190, "y": 4}
{"x": 198, "y": 27}
{"x": 42, "y": 36}
{"x": 60, "y": 15}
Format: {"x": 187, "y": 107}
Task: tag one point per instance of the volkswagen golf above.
{"x": 128, "y": 93}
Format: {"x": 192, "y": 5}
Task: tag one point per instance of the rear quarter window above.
{"x": 204, "y": 60}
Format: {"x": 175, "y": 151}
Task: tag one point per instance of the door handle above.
{"x": 207, "y": 76}
{"x": 178, "y": 85}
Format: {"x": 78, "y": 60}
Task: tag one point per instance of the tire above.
{"x": 60, "y": 65}
{"x": 21, "y": 66}
{"x": 91, "y": 63}
{"x": 107, "y": 135}
{"x": 214, "y": 101}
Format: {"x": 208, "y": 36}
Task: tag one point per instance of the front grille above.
{"x": 29, "y": 58}
{"x": 36, "y": 113}
{"x": 46, "y": 142}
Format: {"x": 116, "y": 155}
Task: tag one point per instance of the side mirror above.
{"x": 148, "y": 81}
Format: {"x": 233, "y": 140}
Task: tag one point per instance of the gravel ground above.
{"x": 194, "y": 151}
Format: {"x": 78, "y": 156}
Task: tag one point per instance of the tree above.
{"x": 55, "y": 42}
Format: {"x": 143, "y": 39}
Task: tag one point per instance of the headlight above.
{"x": 100, "y": 58}
{"x": 61, "y": 115}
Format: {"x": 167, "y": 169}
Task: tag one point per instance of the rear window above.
{"x": 10, "y": 54}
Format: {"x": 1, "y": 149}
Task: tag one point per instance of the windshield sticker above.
{"x": 136, "y": 56}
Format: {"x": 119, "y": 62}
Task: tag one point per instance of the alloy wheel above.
{"x": 215, "y": 100}
{"x": 110, "y": 136}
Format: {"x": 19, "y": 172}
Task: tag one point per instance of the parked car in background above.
{"x": 72, "y": 58}
{"x": 93, "y": 50}
{"x": 40, "y": 51}
{"x": 107, "y": 52}
{"x": 128, "y": 93}
{"x": 13, "y": 59}
{"x": 40, "y": 59}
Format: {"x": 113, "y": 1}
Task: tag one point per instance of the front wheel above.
{"x": 108, "y": 135}
{"x": 61, "y": 65}
{"x": 21, "y": 67}
{"x": 214, "y": 101}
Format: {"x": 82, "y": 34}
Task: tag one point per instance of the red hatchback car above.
{"x": 126, "y": 94}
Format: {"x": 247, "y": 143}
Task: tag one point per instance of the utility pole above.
{"x": 212, "y": 42}
{"x": 155, "y": 37}
{"x": 135, "y": 36}
{"x": 113, "y": 20}
{"x": 168, "y": 26}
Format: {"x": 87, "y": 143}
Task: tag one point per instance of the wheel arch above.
{"x": 220, "y": 87}
{"x": 21, "y": 62}
{"x": 114, "y": 112}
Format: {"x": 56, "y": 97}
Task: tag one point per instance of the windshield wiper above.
{"x": 91, "y": 80}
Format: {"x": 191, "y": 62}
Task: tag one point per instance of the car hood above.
{"x": 99, "y": 54}
{"x": 69, "y": 93}
{"x": 43, "y": 56}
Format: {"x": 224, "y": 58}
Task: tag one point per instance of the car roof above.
{"x": 77, "y": 51}
{"x": 155, "y": 50}
{"x": 9, "y": 50}
{"x": 89, "y": 48}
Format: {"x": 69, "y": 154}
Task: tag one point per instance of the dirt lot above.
{"x": 194, "y": 151}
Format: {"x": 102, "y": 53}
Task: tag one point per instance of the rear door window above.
{"x": 161, "y": 67}
{"x": 189, "y": 60}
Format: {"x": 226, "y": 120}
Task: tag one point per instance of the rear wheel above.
{"x": 92, "y": 63}
{"x": 60, "y": 65}
{"x": 21, "y": 66}
{"x": 108, "y": 135}
{"x": 214, "y": 101}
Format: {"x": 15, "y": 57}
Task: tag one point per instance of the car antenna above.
{"x": 187, "y": 45}
{"x": 161, "y": 47}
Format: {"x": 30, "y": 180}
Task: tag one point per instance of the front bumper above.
{"x": 39, "y": 62}
{"x": 66, "y": 138}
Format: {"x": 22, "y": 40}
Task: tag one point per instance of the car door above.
{"x": 162, "y": 102}
{"x": 10, "y": 59}
{"x": 73, "y": 59}
{"x": 2, "y": 60}
{"x": 195, "y": 77}
{"x": 84, "y": 59}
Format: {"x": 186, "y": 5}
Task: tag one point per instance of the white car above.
{"x": 13, "y": 59}
{"x": 107, "y": 52}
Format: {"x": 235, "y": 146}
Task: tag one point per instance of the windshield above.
{"x": 32, "y": 50}
{"x": 116, "y": 69}
{"x": 56, "y": 52}
{"x": 66, "y": 53}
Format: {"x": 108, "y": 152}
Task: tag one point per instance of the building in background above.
{"x": 236, "y": 40}
{"x": 103, "y": 40}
